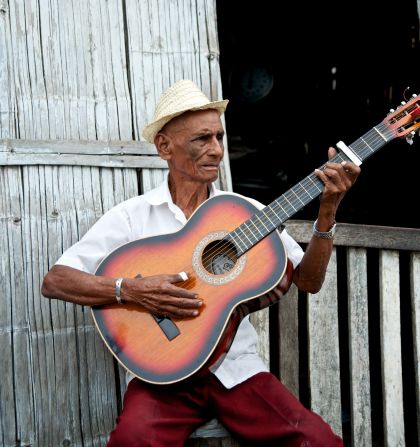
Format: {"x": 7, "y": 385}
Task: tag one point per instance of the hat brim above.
{"x": 151, "y": 130}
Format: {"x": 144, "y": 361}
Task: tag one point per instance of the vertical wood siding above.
{"x": 76, "y": 70}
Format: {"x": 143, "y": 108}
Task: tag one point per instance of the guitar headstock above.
{"x": 405, "y": 119}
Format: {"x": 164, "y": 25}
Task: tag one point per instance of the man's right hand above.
{"x": 160, "y": 295}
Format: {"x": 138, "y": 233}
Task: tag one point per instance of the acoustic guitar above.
{"x": 237, "y": 262}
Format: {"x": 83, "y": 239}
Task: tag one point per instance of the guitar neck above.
{"x": 281, "y": 209}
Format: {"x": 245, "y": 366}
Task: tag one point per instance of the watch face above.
{"x": 253, "y": 83}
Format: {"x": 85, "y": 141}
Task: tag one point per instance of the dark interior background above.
{"x": 303, "y": 75}
{"x": 300, "y": 77}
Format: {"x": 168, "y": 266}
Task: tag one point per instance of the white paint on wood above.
{"x": 151, "y": 178}
{"x": 80, "y": 147}
{"x": 324, "y": 359}
{"x": 391, "y": 348}
{"x": 260, "y": 321}
{"x": 360, "y": 396}
{"x": 415, "y": 306}
{"x": 116, "y": 161}
{"x": 289, "y": 340}
{"x": 212, "y": 429}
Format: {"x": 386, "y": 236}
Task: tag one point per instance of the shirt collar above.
{"x": 161, "y": 194}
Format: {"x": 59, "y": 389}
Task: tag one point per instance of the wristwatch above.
{"x": 323, "y": 234}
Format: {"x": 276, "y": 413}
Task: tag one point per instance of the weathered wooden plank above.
{"x": 7, "y": 88}
{"x": 20, "y": 327}
{"x": 367, "y": 236}
{"x": 212, "y": 442}
{"x": 42, "y": 346}
{"x": 359, "y": 347}
{"x": 212, "y": 429}
{"x": 260, "y": 320}
{"x": 9, "y": 224}
{"x": 391, "y": 348}
{"x": 289, "y": 340}
{"x": 323, "y": 355}
{"x": 115, "y": 161}
{"x": 415, "y": 306}
{"x": 79, "y": 147}
{"x": 151, "y": 178}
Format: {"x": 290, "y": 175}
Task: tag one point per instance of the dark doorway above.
{"x": 300, "y": 80}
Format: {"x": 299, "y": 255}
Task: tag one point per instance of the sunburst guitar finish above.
{"x": 230, "y": 286}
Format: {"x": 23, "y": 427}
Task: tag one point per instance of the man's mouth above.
{"x": 212, "y": 167}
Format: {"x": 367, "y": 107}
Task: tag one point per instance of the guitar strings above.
{"x": 362, "y": 146}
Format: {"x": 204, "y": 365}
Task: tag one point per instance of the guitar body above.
{"x": 230, "y": 287}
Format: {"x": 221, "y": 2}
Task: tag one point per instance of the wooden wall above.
{"x": 78, "y": 82}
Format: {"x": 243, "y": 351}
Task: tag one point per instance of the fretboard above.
{"x": 277, "y": 212}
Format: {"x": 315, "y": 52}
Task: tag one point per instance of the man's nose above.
{"x": 216, "y": 146}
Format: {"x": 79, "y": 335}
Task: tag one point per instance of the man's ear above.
{"x": 163, "y": 146}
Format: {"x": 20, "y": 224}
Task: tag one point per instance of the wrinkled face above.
{"x": 193, "y": 145}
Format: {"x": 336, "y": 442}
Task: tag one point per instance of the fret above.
{"x": 317, "y": 183}
{"x": 380, "y": 134}
{"x": 255, "y": 226}
{"x": 238, "y": 241}
{"x": 367, "y": 144}
{"x": 266, "y": 215}
{"x": 289, "y": 202}
{"x": 272, "y": 206}
{"x": 297, "y": 195}
{"x": 279, "y": 209}
{"x": 250, "y": 232}
{"x": 257, "y": 217}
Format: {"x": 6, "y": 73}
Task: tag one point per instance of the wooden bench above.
{"x": 339, "y": 350}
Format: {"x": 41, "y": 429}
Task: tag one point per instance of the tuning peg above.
{"x": 391, "y": 110}
{"x": 410, "y": 137}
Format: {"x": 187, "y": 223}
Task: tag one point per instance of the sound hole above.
{"x": 219, "y": 257}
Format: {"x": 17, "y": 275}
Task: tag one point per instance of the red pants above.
{"x": 258, "y": 412}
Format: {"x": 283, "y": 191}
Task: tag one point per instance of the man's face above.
{"x": 194, "y": 145}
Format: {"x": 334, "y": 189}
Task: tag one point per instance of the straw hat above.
{"x": 183, "y": 96}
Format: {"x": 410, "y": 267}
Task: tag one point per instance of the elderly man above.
{"x": 239, "y": 390}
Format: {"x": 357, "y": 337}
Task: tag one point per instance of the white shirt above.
{"x": 154, "y": 213}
